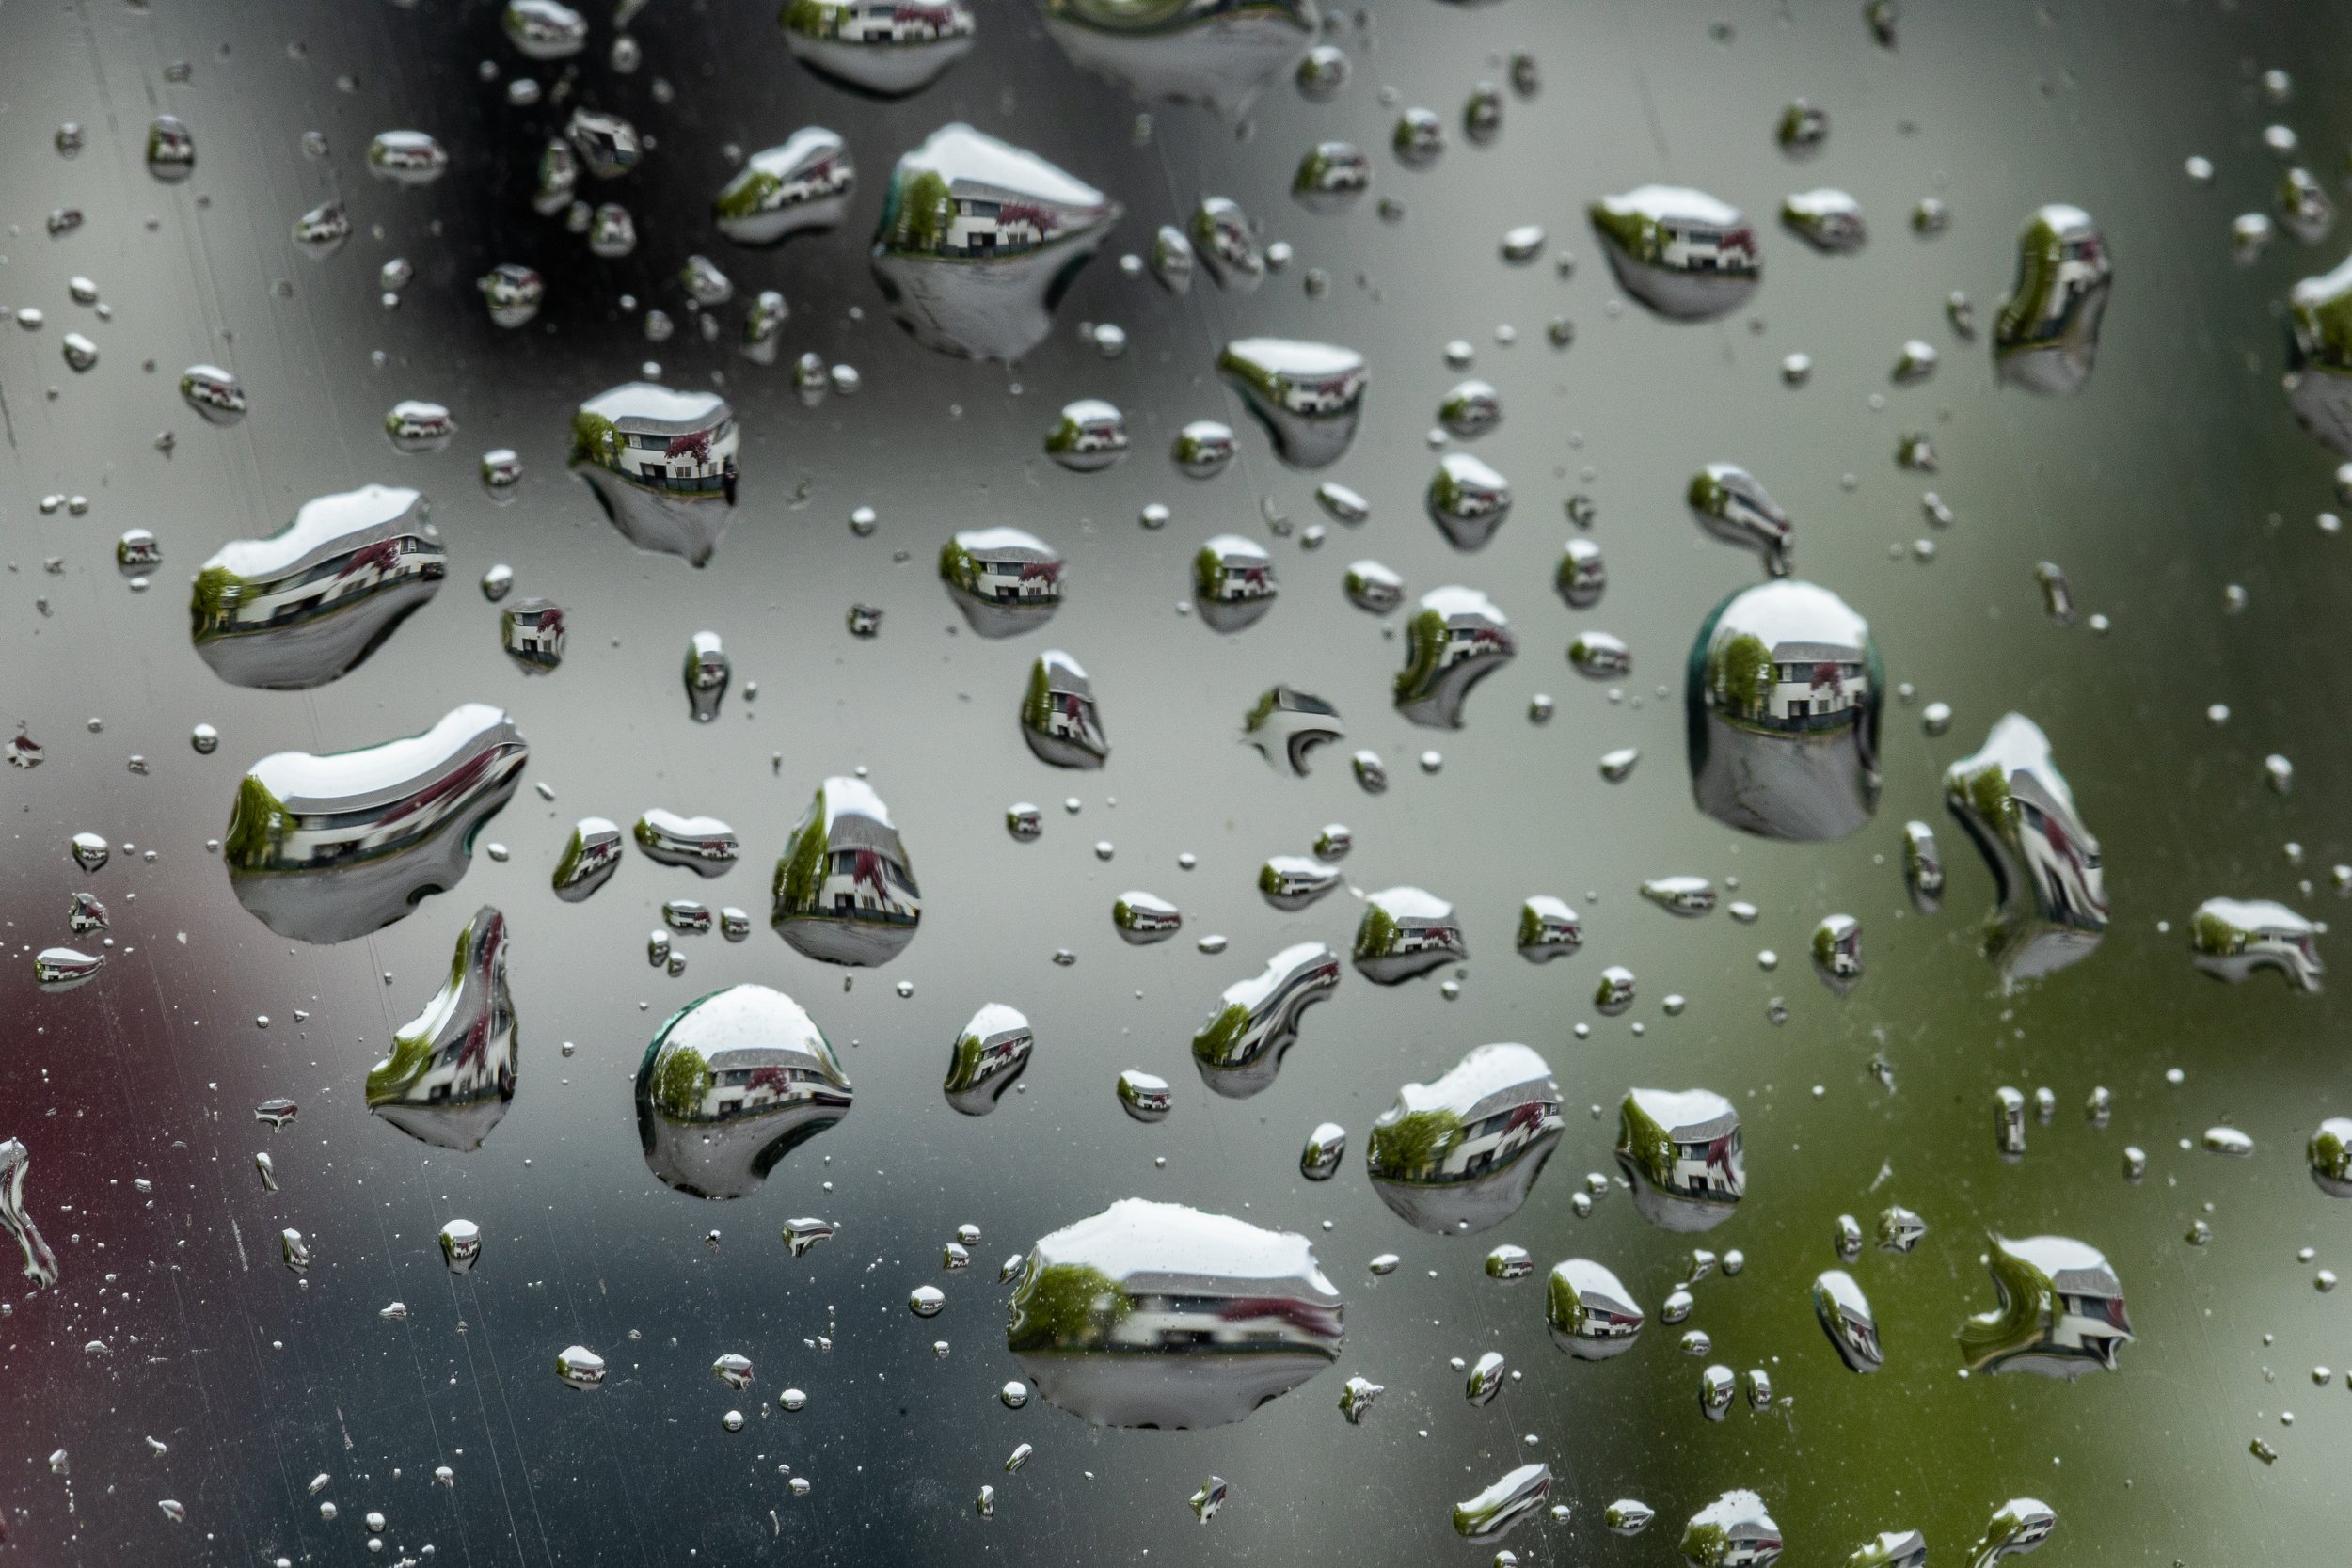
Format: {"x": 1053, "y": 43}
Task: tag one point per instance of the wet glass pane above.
{"x": 1205, "y": 779}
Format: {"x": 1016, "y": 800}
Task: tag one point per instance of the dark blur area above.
{"x": 2176, "y": 473}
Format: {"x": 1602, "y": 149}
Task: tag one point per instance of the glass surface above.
{"x": 2176, "y": 476}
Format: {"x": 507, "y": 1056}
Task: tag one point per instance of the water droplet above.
{"x": 450, "y": 1073}
{"x": 845, "y": 889}
{"x": 1319, "y": 1161}
{"x": 1232, "y": 583}
{"x": 1292, "y": 882}
{"x": 987, "y": 1058}
{"x": 40, "y": 1263}
{"x": 211, "y": 391}
{"x": 1419, "y": 138}
{"x": 308, "y": 603}
{"x": 1460, "y": 1155}
{"x": 1144, "y": 1096}
{"x": 879, "y": 52}
{"x": 1240, "y": 1045}
{"x": 2018, "y": 808}
{"x": 1682, "y": 1153}
{"x": 580, "y": 1368}
{"x": 1828, "y": 220}
{"x": 511, "y": 294}
{"x": 1308, "y": 395}
{"x": 1838, "y": 952}
{"x": 414, "y": 426}
{"x": 1785, "y": 714}
{"x": 170, "y": 149}
{"x": 2018, "y": 1524}
{"x": 2230, "y": 939}
{"x": 707, "y": 673}
{"x": 533, "y": 632}
{"x": 461, "y": 1246}
{"x": 1059, "y": 717}
{"x": 1372, "y": 774}
{"x": 981, "y": 285}
{"x": 1592, "y": 1315}
{"x": 1680, "y": 252}
{"x": 1467, "y": 500}
{"x": 1256, "y": 1319}
{"x": 1547, "y": 929}
{"x": 660, "y": 463}
{"x": 1004, "y": 580}
{"x": 1203, "y": 448}
{"x": 732, "y": 1083}
{"x": 1172, "y": 259}
{"x": 416, "y": 802}
{"x": 1374, "y": 587}
{"x": 2046, "y": 335}
{"x": 1688, "y": 896}
{"x": 1331, "y": 177}
{"x": 1091, "y": 435}
{"x": 1599, "y": 656}
{"x": 408, "y": 158}
{"x": 1455, "y": 638}
{"x": 1733, "y": 1531}
{"x": 1517, "y": 1496}
{"x": 2060, "y": 1311}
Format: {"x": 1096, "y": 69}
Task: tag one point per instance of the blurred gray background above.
{"x": 2177, "y": 472}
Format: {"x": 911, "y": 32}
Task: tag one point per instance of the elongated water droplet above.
{"x": 2232, "y": 938}
{"x": 1828, "y": 220}
{"x": 2018, "y": 1524}
{"x": 1059, "y": 717}
{"x": 1513, "y": 1499}
{"x": 2053, "y": 904}
{"x": 452, "y": 1070}
{"x": 1240, "y": 1045}
{"x": 704, "y": 845}
{"x": 800, "y": 186}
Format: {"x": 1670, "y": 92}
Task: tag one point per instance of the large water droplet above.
{"x": 1733, "y": 1531}
{"x": 40, "y": 1264}
{"x": 2018, "y": 1524}
{"x": 879, "y": 47}
{"x": 704, "y": 845}
{"x": 1287, "y": 726}
{"x": 1682, "y": 1153}
{"x": 1783, "y": 700}
{"x": 1240, "y": 1045}
{"x": 1455, "y": 638}
{"x": 1157, "y": 1315}
{"x": 1217, "y": 53}
{"x": 1467, "y": 500}
{"x": 309, "y": 602}
{"x": 1680, "y": 252}
{"x": 2232, "y": 938}
{"x": 1091, "y": 435}
{"x": 845, "y": 889}
{"x": 1308, "y": 395}
{"x": 325, "y": 848}
{"x": 1517, "y": 1496}
{"x": 661, "y": 464}
{"x": 1221, "y": 237}
{"x": 731, "y": 1084}
{"x": 1592, "y": 1315}
{"x": 544, "y": 29}
{"x": 1405, "y": 932}
{"x": 979, "y": 239}
{"x": 2061, "y": 1312}
{"x": 1460, "y": 1155}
